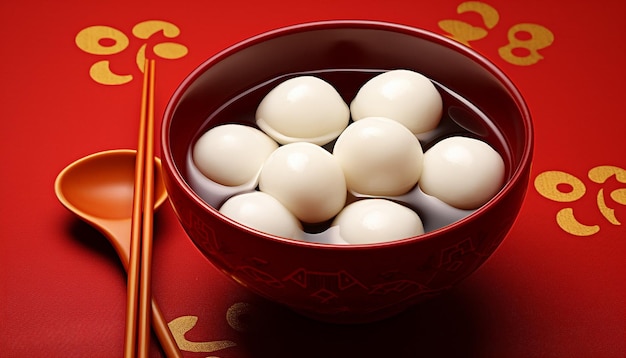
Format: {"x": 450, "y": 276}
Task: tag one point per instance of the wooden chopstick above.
{"x": 146, "y": 241}
{"x": 132, "y": 295}
{"x": 139, "y": 298}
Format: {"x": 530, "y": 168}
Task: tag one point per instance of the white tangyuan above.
{"x": 306, "y": 179}
{"x": 232, "y": 154}
{"x": 303, "y": 109}
{"x": 379, "y": 156}
{"x": 402, "y": 95}
{"x": 370, "y": 221}
{"x": 463, "y": 172}
{"x": 262, "y": 212}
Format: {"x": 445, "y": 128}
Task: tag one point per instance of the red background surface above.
{"x": 544, "y": 293}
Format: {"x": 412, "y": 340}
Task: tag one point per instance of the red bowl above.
{"x": 353, "y": 283}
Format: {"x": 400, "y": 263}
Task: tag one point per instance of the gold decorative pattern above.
{"x": 103, "y": 40}
{"x": 563, "y": 187}
{"x": 181, "y": 325}
{"x": 236, "y": 314}
{"x": 525, "y": 39}
{"x": 464, "y": 32}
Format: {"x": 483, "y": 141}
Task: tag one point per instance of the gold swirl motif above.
{"x": 101, "y": 73}
{"x": 607, "y": 212}
{"x": 540, "y": 38}
{"x": 462, "y": 31}
{"x": 489, "y": 15}
{"x": 168, "y": 50}
{"x": 145, "y": 29}
{"x": 566, "y": 220}
{"x": 140, "y": 58}
{"x": 93, "y": 40}
{"x": 89, "y": 40}
{"x": 518, "y": 51}
{"x": 235, "y": 316}
{"x": 181, "y": 325}
{"x": 547, "y": 182}
{"x": 600, "y": 175}
{"x": 619, "y": 195}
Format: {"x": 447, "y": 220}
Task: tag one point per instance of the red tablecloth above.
{"x": 555, "y": 288}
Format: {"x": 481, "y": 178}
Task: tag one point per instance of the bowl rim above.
{"x": 516, "y": 175}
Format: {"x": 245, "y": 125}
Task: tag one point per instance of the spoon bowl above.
{"x": 101, "y": 185}
{"x": 99, "y": 190}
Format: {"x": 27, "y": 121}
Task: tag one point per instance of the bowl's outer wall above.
{"x": 346, "y": 284}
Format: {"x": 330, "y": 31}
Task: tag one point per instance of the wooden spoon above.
{"x": 99, "y": 189}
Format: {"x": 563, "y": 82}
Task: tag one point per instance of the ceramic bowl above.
{"x": 349, "y": 283}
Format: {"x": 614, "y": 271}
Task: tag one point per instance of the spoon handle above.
{"x": 163, "y": 333}
{"x": 115, "y": 230}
